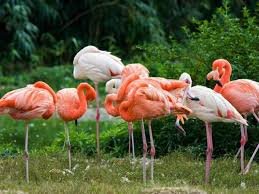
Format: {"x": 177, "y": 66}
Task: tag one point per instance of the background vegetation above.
{"x": 38, "y": 40}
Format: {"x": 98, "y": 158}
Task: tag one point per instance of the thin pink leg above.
{"x": 97, "y": 120}
{"x": 242, "y": 148}
{"x": 144, "y": 140}
{"x": 245, "y": 135}
{"x": 251, "y": 160}
{"x": 209, "y": 151}
{"x": 152, "y": 150}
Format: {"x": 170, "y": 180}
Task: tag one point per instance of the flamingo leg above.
{"x": 131, "y": 140}
{"x": 152, "y": 150}
{"x": 245, "y": 136}
{"x": 26, "y": 152}
{"x": 209, "y": 151}
{"x": 242, "y": 148}
{"x": 68, "y": 145}
{"x": 97, "y": 120}
{"x": 251, "y": 160}
{"x": 144, "y": 140}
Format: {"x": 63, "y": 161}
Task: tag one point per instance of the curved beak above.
{"x": 192, "y": 97}
{"x": 179, "y": 127}
{"x": 219, "y": 83}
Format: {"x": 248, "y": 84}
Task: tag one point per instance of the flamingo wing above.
{"x": 212, "y": 107}
{"x": 243, "y": 94}
{"x": 97, "y": 67}
{"x": 29, "y": 103}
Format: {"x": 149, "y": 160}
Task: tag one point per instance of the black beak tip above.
{"x": 219, "y": 83}
{"x": 195, "y": 99}
{"x": 76, "y": 123}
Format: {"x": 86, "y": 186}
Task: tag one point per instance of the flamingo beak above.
{"x": 191, "y": 97}
{"x": 219, "y": 83}
{"x": 179, "y": 127}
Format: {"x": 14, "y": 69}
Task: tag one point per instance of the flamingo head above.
{"x": 112, "y": 86}
{"x": 187, "y": 78}
{"x": 136, "y": 68}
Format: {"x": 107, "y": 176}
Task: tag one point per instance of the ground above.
{"x": 178, "y": 172}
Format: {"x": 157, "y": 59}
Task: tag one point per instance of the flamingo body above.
{"x": 96, "y": 65}
{"x": 212, "y": 107}
{"x": 28, "y": 103}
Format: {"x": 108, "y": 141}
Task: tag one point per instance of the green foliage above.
{"x": 224, "y": 36}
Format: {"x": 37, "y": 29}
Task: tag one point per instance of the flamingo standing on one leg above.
{"x": 71, "y": 105}
{"x": 243, "y": 94}
{"x": 98, "y": 66}
{"x": 211, "y": 107}
{"x": 34, "y": 101}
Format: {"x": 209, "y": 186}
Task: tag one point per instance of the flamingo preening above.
{"x": 243, "y": 94}
{"x": 98, "y": 66}
{"x": 71, "y": 105}
{"x": 142, "y": 99}
{"x": 31, "y": 102}
{"x": 211, "y": 107}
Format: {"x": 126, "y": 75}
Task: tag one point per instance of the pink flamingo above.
{"x": 243, "y": 94}
{"x": 211, "y": 107}
{"x": 34, "y": 101}
{"x": 71, "y": 105}
{"x": 133, "y": 102}
{"x": 98, "y": 66}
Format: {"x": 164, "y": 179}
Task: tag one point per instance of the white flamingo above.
{"x": 98, "y": 66}
{"x": 211, "y": 107}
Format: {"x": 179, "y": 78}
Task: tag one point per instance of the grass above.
{"x": 109, "y": 175}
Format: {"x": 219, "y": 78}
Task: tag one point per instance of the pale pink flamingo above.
{"x": 71, "y": 105}
{"x": 98, "y": 66}
{"x": 243, "y": 94}
{"x": 211, "y": 107}
{"x": 34, "y": 101}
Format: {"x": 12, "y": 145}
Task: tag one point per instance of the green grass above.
{"x": 119, "y": 175}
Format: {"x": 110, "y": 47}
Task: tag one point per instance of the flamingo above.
{"x": 139, "y": 99}
{"x": 113, "y": 85}
{"x": 211, "y": 107}
{"x": 98, "y": 66}
{"x": 31, "y": 102}
{"x": 243, "y": 94}
{"x": 71, "y": 105}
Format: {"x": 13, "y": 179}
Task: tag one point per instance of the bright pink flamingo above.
{"x": 139, "y": 99}
{"x": 172, "y": 86}
{"x": 211, "y": 107}
{"x": 98, "y": 66}
{"x": 243, "y": 94}
{"x": 71, "y": 105}
{"x": 34, "y": 101}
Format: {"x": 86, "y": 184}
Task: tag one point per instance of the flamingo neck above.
{"x": 90, "y": 95}
{"x": 43, "y": 85}
{"x": 124, "y": 85}
{"x": 225, "y": 77}
{"x": 109, "y": 106}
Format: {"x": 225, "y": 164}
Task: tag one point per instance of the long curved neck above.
{"x": 90, "y": 94}
{"x": 122, "y": 89}
{"x": 43, "y": 85}
{"x": 225, "y": 77}
{"x": 174, "y": 84}
{"x": 109, "y": 106}
{"x": 125, "y": 105}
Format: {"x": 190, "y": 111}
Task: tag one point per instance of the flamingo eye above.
{"x": 187, "y": 81}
